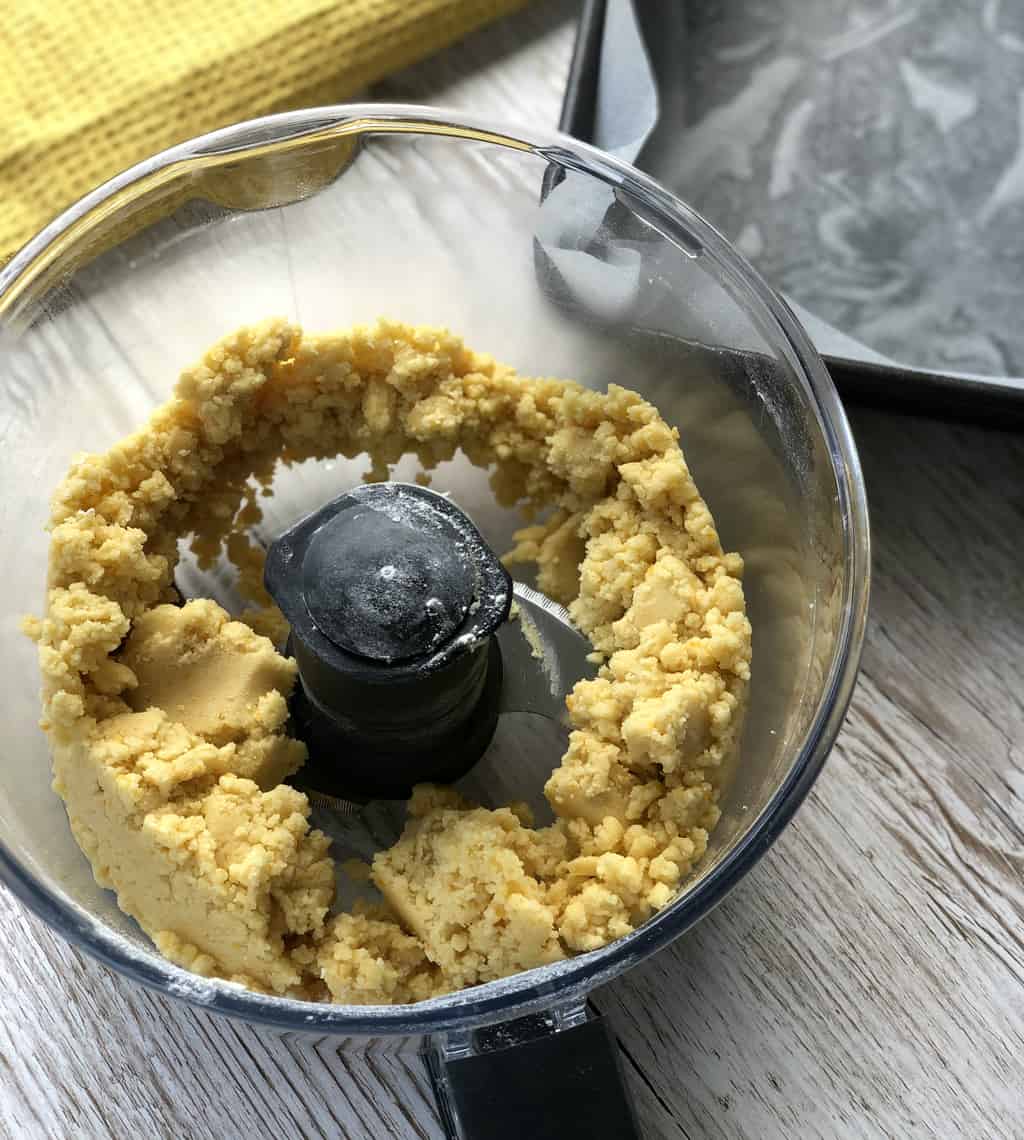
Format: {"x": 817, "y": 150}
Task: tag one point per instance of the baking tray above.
{"x": 643, "y": 74}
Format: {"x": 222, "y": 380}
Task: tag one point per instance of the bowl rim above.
{"x": 570, "y": 980}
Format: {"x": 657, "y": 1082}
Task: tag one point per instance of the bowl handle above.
{"x": 549, "y": 1076}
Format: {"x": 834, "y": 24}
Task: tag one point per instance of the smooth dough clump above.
{"x": 167, "y": 722}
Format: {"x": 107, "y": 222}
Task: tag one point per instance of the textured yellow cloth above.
{"x": 88, "y": 87}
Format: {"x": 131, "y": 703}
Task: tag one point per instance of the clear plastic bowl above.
{"x": 541, "y": 251}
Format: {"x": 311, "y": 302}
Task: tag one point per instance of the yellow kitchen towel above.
{"x": 88, "y": 87}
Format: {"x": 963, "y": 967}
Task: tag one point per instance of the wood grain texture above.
{"x": 865, "y": 980}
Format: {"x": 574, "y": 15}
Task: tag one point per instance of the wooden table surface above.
{"x": 865, "y": 980}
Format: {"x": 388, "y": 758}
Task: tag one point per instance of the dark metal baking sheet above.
{"x": 866, "y": 156}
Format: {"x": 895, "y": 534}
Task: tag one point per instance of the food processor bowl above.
{"x": 541, "y": 251}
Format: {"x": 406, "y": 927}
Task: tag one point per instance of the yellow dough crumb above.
{"x": 368, "y": 960}
{"x": 464, "y": 881}
{"x": 220, "y": 680}
{"x": 168, "y": 722}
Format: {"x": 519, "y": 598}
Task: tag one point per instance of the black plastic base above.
{"x": 561, "y": 1085}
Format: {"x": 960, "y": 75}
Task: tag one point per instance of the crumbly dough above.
{"x": 167, "y": 722}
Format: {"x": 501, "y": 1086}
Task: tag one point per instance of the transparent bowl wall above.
{"x": 540, "y": 251}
